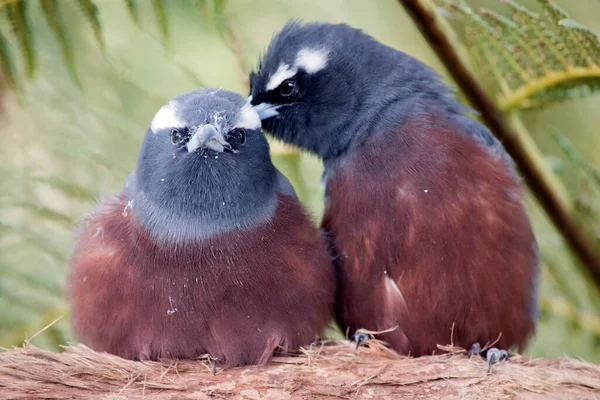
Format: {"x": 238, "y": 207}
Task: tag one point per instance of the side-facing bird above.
{"x": 423, "y": 205}
{"x": 206, "y": 250}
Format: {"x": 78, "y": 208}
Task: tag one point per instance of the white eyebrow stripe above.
{"x": 249, "y": 118}
{"x": 283, "y": 72}
{"x": 166, "y": 117}
{"x": 311, "y": 60}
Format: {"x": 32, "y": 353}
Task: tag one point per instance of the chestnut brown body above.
{"x": 430, "y": 233}
{"x": 237, "y": 296}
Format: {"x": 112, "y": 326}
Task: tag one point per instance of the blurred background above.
{"x": 82, "y": 80}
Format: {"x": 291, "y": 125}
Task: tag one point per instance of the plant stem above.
{"x": 425, "y": 17}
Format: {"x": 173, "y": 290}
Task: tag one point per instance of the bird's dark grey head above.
{"x": 203, "y": 168}
{"x": 320, "y": 86}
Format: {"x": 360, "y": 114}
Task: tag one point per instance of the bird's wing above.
{"x": 284, "y": 186}
{"x": 130, "y": 183}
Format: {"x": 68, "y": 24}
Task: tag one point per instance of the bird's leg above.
{"x": 213, "y": 364}
{"x": 359, "y": 337}
{"x": 475, "y": 349}
{"x": 494, "y": 355}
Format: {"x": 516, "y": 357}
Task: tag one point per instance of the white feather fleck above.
{"x": 173, "y": 309}
{"x": 311, "y": 60}
{"x": 128, "y": 206}
{"x": 283, "y": 72}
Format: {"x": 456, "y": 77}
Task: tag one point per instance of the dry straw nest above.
{"x": 330, "y": 370}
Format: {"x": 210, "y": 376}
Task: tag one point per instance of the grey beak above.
{"x": 207, "y": 136}
{"x": 266, "y": 110}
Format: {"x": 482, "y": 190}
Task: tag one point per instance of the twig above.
{"x": 44, "y": 329}
{"x": 428, "y": 22}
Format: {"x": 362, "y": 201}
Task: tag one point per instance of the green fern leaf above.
{"x": 133, "y": 11}
{"x": 584, "y": 168}
{"x": 17, "y": 15}
{"x": 57, "y": 24}
{"x": 9, "y": 69}
{"x": 161, "y": 16}
{"x": 587, "y": 183}
{"x": 529, "y": 60}
{"x": 91, "y": 13}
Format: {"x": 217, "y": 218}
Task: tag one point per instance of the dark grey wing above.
{"x": 129, "y": 186}
{"x": 284, "y": 186}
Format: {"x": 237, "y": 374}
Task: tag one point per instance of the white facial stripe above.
{"x": 311, "y": 60}
{"x": 283, "y": 72}
{"x": 248, "y": 118}
{"x": 166, "y": 117}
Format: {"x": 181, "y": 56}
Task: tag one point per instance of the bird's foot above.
{"x": 475, "y": 349}
{"x": 213, "y": 364}
{"x": 359, "y": 338}
{"x": 493, "y": 355}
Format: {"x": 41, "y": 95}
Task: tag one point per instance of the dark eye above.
{"x": 236, "y": 138}
{"x": 288, "y": 88}
{"x": 176, "y": 136}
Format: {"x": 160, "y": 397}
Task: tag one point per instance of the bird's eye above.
{"x": 236, "y": 138}
{"x": 288, "y": 88}
{"x": 176, "y": 136}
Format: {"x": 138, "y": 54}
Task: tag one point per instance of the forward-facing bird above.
{"x": 423, "y": 205}
{"x": 206, "y": 250}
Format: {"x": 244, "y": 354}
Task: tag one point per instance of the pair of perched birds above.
{"x": 208, "y": 250}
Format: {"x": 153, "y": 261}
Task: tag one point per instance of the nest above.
{"x": 328, "y": 370}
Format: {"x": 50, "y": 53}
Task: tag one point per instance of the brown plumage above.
{"x": 430, "y": 233}
{"x": 238, "y": 295}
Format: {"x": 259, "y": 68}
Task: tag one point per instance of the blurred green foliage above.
{"x": 100, "y": 70}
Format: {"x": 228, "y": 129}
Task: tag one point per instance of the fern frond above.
{"x": 57, "y": 24}
{"x": 161, "y": 16}
{"x": 587, "y": 182}
{"x": 17, "y": 15}
{"x": 90, "y": 11}
{"x": 133, "y": 11}
{"x": 586, "y": 169}
{"x": 9, "y": 69}
{"x": 530, "y": 61}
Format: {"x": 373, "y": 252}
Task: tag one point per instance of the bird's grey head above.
{"x": 203, "y": 167}
{"x": 320, "y": 85}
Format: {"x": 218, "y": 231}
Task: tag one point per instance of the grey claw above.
{"x": 494, "y": 355}
{"x": 475, "y": 349}
{"x": 359, "y": 338}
